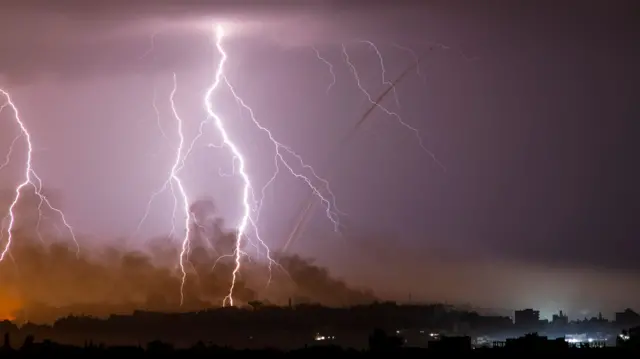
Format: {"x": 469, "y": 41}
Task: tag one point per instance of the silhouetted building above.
{"x": 379, "y": 341}
{"x": 536, "y": 342}
{"x": 7, "y": 342}
{"x": 527, "y": 318}
{"x": 629, "y": 339}
{"x": 312, "y": 325}
{"x": 627, "y": 319}
{"x": 451, "y": 344}
{"x": 560, "y": 319}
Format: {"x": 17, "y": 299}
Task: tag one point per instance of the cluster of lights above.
{"x": 319, "y": 337}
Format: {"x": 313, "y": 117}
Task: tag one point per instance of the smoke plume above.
{"x": 45, "y": 278}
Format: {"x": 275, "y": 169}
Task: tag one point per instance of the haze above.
{"x": 530, "y": 108}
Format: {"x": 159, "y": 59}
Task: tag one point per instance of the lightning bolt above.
{"x": 152, "y": 46}
{"x": 176, "y": 179}
{"x": 415, "y": 56}
{"x": 31, "y": 178}
{"x": 7, "y": 158}
{"x": 249, "y": 203}
{"x": 304, "y": 214}
{"x": 329, "y": 66}
{"x": 388, "y": 84}
{"x": 382, "y": 68}
{"x": 354, "y": 72}
{"x": 157, "y": 112}
{"x": 245, "y": 221}
{"x": 170, "y": 181}
{"x": 173, "y": 182}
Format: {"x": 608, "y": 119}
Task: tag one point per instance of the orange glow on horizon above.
{"x": 10, "y": 303}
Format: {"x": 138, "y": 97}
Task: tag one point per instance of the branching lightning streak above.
{"x": 304, "y": 215}
{"x": 7, "y": 158}
{"x": 330, "y": 207}
{"x": 172, "y": 181}
{"x": 329, "y": 65}
{"x": 240, "y": 166}
{"x": 415, "y": 56}
{"x": 251, "y": 205}
{"x": 354, "y": 71}
{"x": 176, "y": 179}
{"x": 29, "y": 177}
{"x": 383, "y": 69}
{"x": 157, "y": 112}
{"x": 152, "y": 46}
{"x": 246, "y": 192}
{"x": 168, "y": 183}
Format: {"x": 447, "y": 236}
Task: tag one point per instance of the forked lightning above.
{"x": 251, "y": 205}
{"x": 30, "y": 178}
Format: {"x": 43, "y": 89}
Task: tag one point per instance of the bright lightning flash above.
{"x": 248, "y": 221}
{"x": 175, "y": 179}
{"x": 250, "y": 205}
{"x": 30, "y": 178}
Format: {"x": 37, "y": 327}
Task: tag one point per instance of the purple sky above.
{"x": 531, "y": 111}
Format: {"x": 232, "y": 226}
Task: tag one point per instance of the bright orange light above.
{"x": 10, "y": 303}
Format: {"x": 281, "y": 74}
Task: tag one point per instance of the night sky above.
{"x": 532, "y": 109}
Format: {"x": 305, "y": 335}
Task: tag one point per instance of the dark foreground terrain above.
{"x": 379, "y": 344}
{"x": 304, "y": 330}
{"x": 157, "y": 349}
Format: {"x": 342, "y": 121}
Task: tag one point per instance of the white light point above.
{"x": 30, "y": 178}
{"x": 248, "y": 197}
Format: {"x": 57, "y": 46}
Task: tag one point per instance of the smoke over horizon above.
{"x": 44, "y": 277}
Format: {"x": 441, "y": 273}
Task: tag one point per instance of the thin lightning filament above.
{"x": 30, "y": 178}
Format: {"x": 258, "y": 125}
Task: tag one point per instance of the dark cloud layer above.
{"x": 79, "y": 39}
